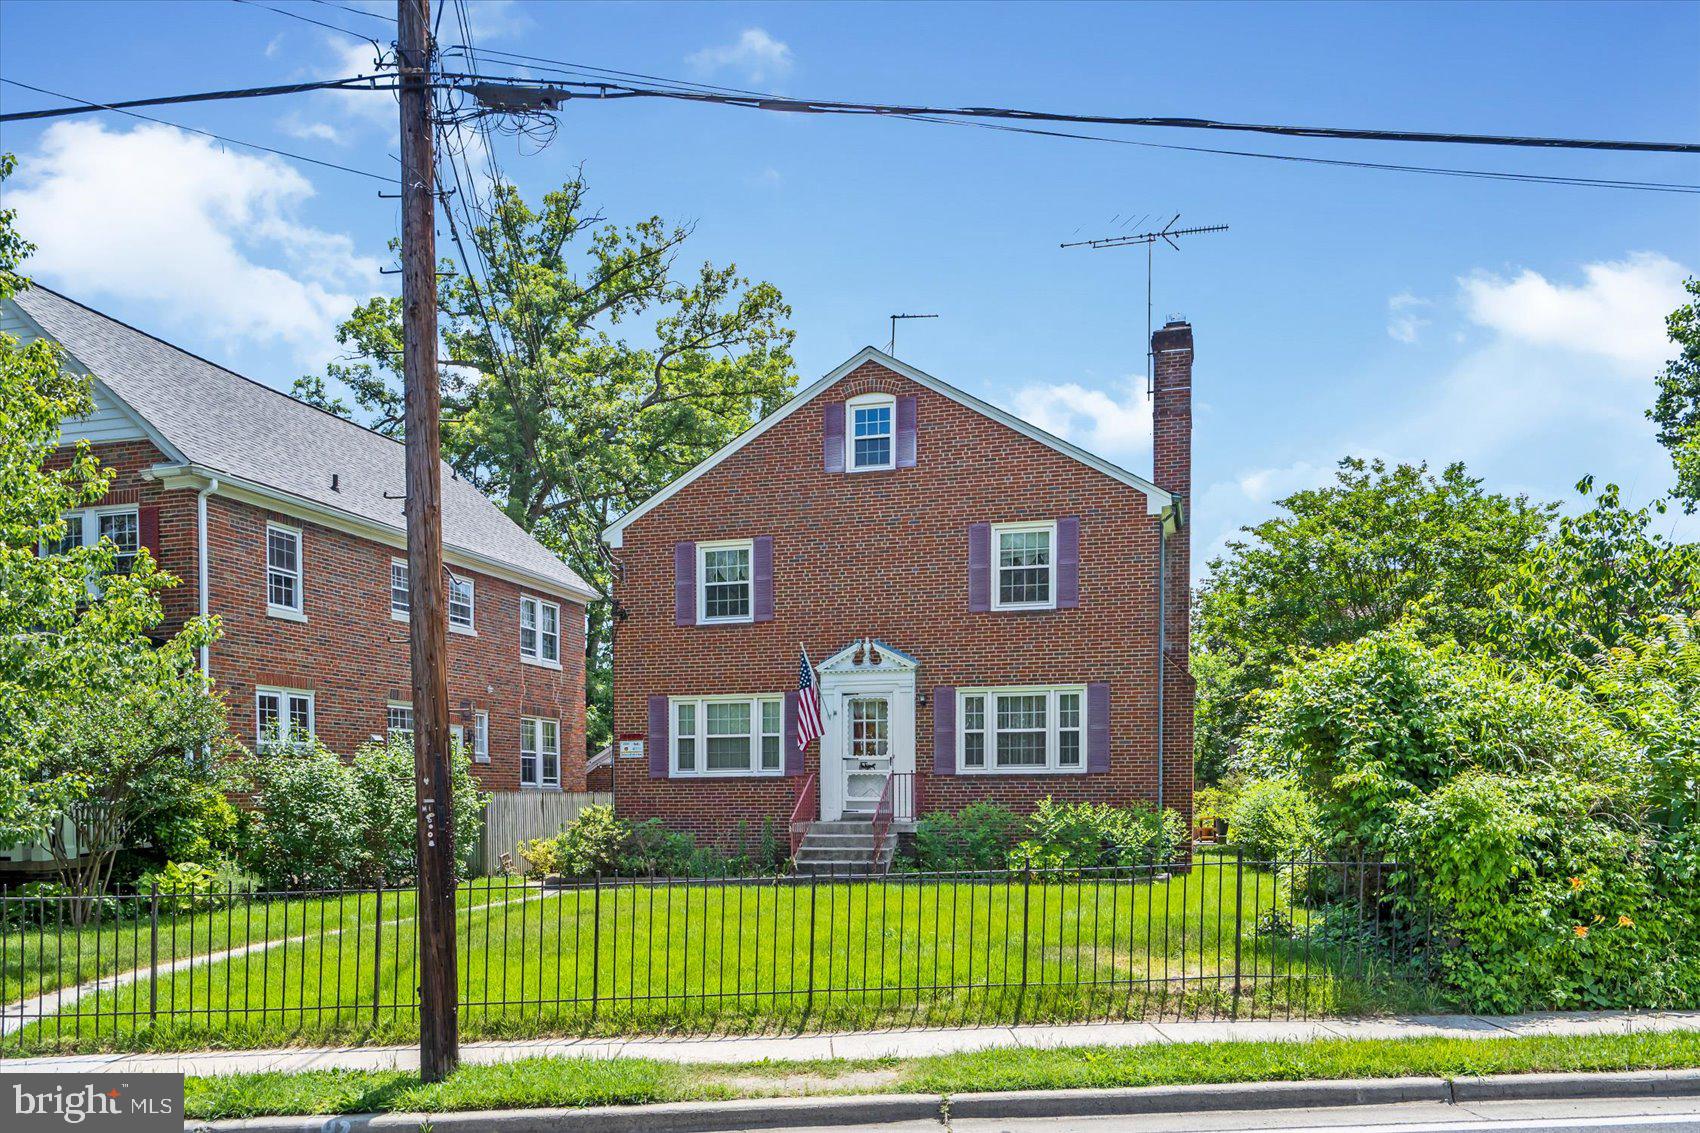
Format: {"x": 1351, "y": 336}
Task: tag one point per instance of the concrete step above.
{"x": 827, "y": 854}
{"x": 829, "y": 839}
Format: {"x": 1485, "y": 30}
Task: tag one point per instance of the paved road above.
{"x": 1652, "y": 1115}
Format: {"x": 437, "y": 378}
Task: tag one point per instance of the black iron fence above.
{"x": 1220, "y": 937}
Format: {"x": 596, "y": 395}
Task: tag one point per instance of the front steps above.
{"x": 843, "y": 847}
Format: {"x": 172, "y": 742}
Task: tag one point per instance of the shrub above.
{"x": 1087, "y": 835}
{"x": 540, "y": 855}
{"x": 383, "y": 776}
{"x": 592, "y": 843}
{"x": 184, "y": 887}
{"x": 1273, "y": 819}
{"x": 977, "y": 837}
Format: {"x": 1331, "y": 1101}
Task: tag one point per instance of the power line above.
{"x": 357, "y": 11}
{"x": 353, "y": 82}
{"x": 758, "y": 101}
{"x": 311, "y": 20}
{"x": 118, "y": 109}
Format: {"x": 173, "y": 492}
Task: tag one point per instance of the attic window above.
{"x": 873, "y": 432}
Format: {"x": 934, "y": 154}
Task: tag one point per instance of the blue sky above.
{"x": 1515, "y": 327}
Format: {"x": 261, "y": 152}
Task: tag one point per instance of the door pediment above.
{"x": 869, "y": 655}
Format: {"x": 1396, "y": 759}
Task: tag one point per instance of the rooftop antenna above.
{"x": 1167, "y": 234}
{"x": 892, "y": 349}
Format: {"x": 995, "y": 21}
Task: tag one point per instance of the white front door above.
{"x": 866, "y": 720}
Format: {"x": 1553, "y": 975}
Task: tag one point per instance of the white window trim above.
{"x": 481, "y": 737}
{"x": 395, "y": 614}
{"x": 389, "y": 731}
{"x": 869, "y": 401}
{"x": 536, "y": 656}
{"x": 1049, "y": 526}
{"x": 286, "y": 738}
{"x": 529, "y": 730}
{"x": 700, "y": 703}
{"x": 89, "y": 518}
{"x": 470, "y": 629}
{"x": 1053, "y": 746}
{"x": 297, "y": 612}
{"x": 747, "y": 545}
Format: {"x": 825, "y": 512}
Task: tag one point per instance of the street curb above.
{"x": 770, "y": 1113}
{"x": 1186, "y": 1099}
{"x": 1625, "y": 1084}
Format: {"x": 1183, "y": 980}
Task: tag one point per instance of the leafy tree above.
{"x": 1344, "y": 561}
{"x": 1677, "y": 407}
{"x": 1601, "y": 578}
{"x": 94, "y": 719}
{"x": 556, "y": 412}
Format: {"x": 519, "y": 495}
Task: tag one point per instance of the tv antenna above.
{"x": 892, "y": 349}
{"x": 1168, "y": 233}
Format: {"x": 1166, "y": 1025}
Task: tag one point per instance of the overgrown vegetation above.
{"x": 598, "y": 842}
{"x": 1053, "y": 837}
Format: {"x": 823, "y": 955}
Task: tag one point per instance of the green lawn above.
{"x": 587, "y": 1082}
{"x": 642, "y": 958}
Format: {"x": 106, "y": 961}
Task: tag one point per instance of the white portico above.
{"x": 867, "y": 692}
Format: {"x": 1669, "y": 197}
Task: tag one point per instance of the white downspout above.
{"x": 201, "y": 566}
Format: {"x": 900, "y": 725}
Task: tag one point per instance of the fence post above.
{"x": 596, "y": 946}
{"x": 1239, "y": 905}
{"x": 1026, "y": 902}
{"x": 377, "y": 946}
{"x": 153, "y": 954}
{"x": 809, "y": 999}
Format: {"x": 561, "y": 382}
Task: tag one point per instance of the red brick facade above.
{"x": 349, "y": 652}
{"x": 884, "y": 555}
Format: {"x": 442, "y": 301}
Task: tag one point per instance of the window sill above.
{"x": 1018, "y": 772}
{"x": 749, "y": 621}
{"x": 539, "y": 662}
{"x": 540, "y": 787}
{"x": 690, "y": 775}
{"x": 1032, "y": 609}
{"x": 871, "y": 468}
{"x": 464, "y": 631}
{"x": 285, "y": 614}
{"x": 398, "y": 616}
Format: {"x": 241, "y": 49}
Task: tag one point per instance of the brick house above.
{"x": 981, "y": 601}
{"x": 287, "y": 523}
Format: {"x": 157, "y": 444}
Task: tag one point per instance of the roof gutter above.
{"x": 1172, "y": 520}
{"x": 249, "y": 491}
{"x": 201, "y": 566}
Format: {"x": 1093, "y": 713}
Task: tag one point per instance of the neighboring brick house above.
{"x": 981, "y": 600}
{"x": 287, "y": 523}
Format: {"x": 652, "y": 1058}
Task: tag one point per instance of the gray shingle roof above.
{"x": 225, "y": 422}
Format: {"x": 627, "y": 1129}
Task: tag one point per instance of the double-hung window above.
{"x": 460, "y": 603}
{"x": 539, "y": 752}
{"x": 283, "y": 570}
{"x": 539, "y": 631}
{"x": 401, "y": 595}
{"x": 873, "y": 432}
{"x": 283, "y": 718}
{"x": 1025, "y": 562}
{"x": 398, "y": 720}
{"x": 725, "y": 588}
{"x": 481, "y": 737}
{"x": 88, "y": 528}
{"x": 728, "y": 735}
{"x": 1017, "y": 730}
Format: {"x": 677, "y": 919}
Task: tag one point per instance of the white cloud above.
{"x": 1113, "y": 424}
{"x": 297, "y": 127}
{"x": 1617, "y": 311}
{"x": 211, "y": 237}
{"x": 494, "y": 19}
{"x": 754, "y": 54}
{"x": 1404, "y": 323}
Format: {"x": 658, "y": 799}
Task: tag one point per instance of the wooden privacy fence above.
{"x": 512, "y": 817}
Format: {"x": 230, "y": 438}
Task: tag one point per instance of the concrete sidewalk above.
{"x": 874, "y": 1044}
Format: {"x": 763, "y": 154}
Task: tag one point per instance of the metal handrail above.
{"x": 808, "y": 799}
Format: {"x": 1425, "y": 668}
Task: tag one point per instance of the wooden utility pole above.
{"x": 439, "y": 1037}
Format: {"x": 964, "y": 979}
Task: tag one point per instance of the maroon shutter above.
{"x": 788, "y": 741}
{"x": 832, "y": 436}
{"x": 979, "y": 567}
{"x": 147, "y": 530}
{"x": 1068, "y": 562}
{"x": 906, "y": 432}
{"x": 944, "y": 730}
{"x": 1097, "y": 728}
{"x": 660, "y": 754}
{"x": 684, "y": 584}
{"x": 761, "y": 574}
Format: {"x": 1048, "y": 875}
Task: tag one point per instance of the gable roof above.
{"x": 1157, "y": 498}
{"x": 210, "y": 418}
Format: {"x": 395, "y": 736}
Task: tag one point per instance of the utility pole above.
{"x": 1167, "y": 234}
{"x": 427, "y": 629}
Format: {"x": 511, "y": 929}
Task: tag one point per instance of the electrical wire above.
{"x": 116, "y": 109}
{"x": 311, "y": 20}
{"x": 354, "y": 82}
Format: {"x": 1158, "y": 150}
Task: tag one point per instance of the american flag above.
{"x": 808, "y": 703}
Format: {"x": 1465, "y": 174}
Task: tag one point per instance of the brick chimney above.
{"x": 1171, "y": 462}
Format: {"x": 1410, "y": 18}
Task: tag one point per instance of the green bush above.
{"x": 383, "y": 775}
{"x": 592, "y": 843}
{"x": 977, "y": 837}
{"x": 1090, "y": 835}
{"x": 1273, "y": 819}
{"x": 185, "y": 887}
{"x": 540, "y": 855}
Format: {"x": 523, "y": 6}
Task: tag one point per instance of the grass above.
{"x": 566, "y": 1082}
{"x": 666, "y": 957}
